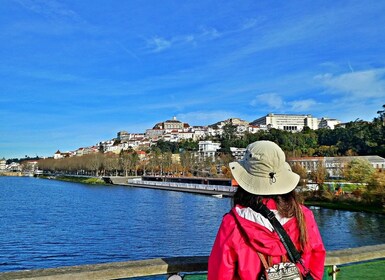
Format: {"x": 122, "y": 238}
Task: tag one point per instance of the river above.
{"x": 48, "y": 223}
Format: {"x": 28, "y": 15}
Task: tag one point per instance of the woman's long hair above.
{"x": 288, "y": 206}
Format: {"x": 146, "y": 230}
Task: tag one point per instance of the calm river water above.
{"x": 48, "y": 223}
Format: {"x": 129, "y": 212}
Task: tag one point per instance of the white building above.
{"x": 208, "y": 149}
{"x": 334, "y": 165}
{"x": 237, "y": 153}
{"x": 58, "y": 155}
{"x": 287, "y": 122}
{"x": 328, "y": 123}
{"x": 3, "y": 164}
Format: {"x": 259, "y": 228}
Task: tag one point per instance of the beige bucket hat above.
{"x": 264, "y": 170}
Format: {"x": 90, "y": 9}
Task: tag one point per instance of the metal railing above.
{"x": 169, "y": 266}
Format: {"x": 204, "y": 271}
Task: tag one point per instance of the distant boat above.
{"x": 218, "y": 195}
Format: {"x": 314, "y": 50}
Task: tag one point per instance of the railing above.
{"x": 169, "y": 266}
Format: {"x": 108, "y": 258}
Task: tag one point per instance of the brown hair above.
{"x": 288, "y": 206}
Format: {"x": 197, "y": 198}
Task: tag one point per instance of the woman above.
{"x": 264, "y": 176}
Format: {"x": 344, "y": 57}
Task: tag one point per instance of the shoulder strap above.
{"x": 292, "y": 251}
{"x": 263, "y": 260}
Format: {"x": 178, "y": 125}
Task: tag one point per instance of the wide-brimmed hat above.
{"x": 264, "y": 170}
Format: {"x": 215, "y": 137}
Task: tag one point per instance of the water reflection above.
{"x": 344, "y": 229}
{"x": 46, "y": 223}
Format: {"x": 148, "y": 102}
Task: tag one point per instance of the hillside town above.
{"x": 174, "y": 131}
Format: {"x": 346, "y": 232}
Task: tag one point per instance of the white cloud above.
{"x": 209, "y": 33}
{"x": 250, "y": 23}
{"x": 302, "y": 105}
{"x": 158, "y": 44}
{"x": 272, "y": 100}
{"x": 360, "y": 85}
{"x": 205, "y": 118}
{"x": 51, "y": 9}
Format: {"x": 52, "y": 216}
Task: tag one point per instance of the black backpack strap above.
{"x": 292, "y": 251}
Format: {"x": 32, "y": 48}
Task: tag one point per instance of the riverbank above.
{"x": 346, "y": 204}
{"x": 11, "y": 174}
{"x": 77, "y": 179}
{"x": 364, "y": 201}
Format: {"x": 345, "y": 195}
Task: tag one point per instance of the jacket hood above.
{"x": 260, "y": 232}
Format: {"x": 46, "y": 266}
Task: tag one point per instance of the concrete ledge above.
{"x": 115, "y": 270}
{"x": 161, "y": 266}
{"x": 355, "y": 255}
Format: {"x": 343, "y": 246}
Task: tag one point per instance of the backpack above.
{"x": 284, "y": 270}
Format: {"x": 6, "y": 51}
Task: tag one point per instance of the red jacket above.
{"x": 231, "y": 258}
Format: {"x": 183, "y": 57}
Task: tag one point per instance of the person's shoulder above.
{"x": 229, "y": 218}
{"x": 306, "y": 211}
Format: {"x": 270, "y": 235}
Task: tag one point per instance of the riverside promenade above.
{"x": 207, "y": 189}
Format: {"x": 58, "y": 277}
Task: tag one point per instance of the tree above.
{"x": 228, "y": 137}
{"x": 154, "y": 160}
{"x": 359, "y": 171}
{"x": 111, "y": 163}
{"x": 381, "y": 114}
{"x": 94, "y": 163}
{"x": 319, "y": 174}
{"x": 186, "y": 160}
{"x": 134, "y": 162}
{"x": 302, "y": 172}
{"x": 166, "y": 162}
{"x": 125, "y": 161}
{"x": 378, "y": 182}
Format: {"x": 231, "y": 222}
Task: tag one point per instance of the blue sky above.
{"x": 74, "y": 73}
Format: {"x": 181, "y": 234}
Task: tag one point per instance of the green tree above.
{"x": 359, "y": 171}
{"x": 229, "y": 137}
{"x": 134, "y": 162}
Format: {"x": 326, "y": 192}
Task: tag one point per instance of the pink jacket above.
{"x": 231, "y": 258}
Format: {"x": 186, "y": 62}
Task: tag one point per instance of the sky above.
{"x": 74, "y": 73}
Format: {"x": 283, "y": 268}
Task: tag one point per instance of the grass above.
{"x": 82, "y": 180}
{"x": 347, "y": 205}
{"x": 365, "y": 270}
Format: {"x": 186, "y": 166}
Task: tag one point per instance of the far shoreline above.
{"x": 346, "y": 205}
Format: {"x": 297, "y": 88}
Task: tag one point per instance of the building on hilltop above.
{"x": 172, "y": 130}
{"x": 328, "y": 123}
{"x": 59, "y": 155}
{"x": 232, "y": 121}
{"x": 123, "y": 136}
{"x": 287, "y": 122}
{"x": 237, "y": 153}
{"x": 208, "y": 149}
{"x": 171, "y": 125}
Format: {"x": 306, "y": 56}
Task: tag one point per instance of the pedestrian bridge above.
{"x": 340, "y": 264}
